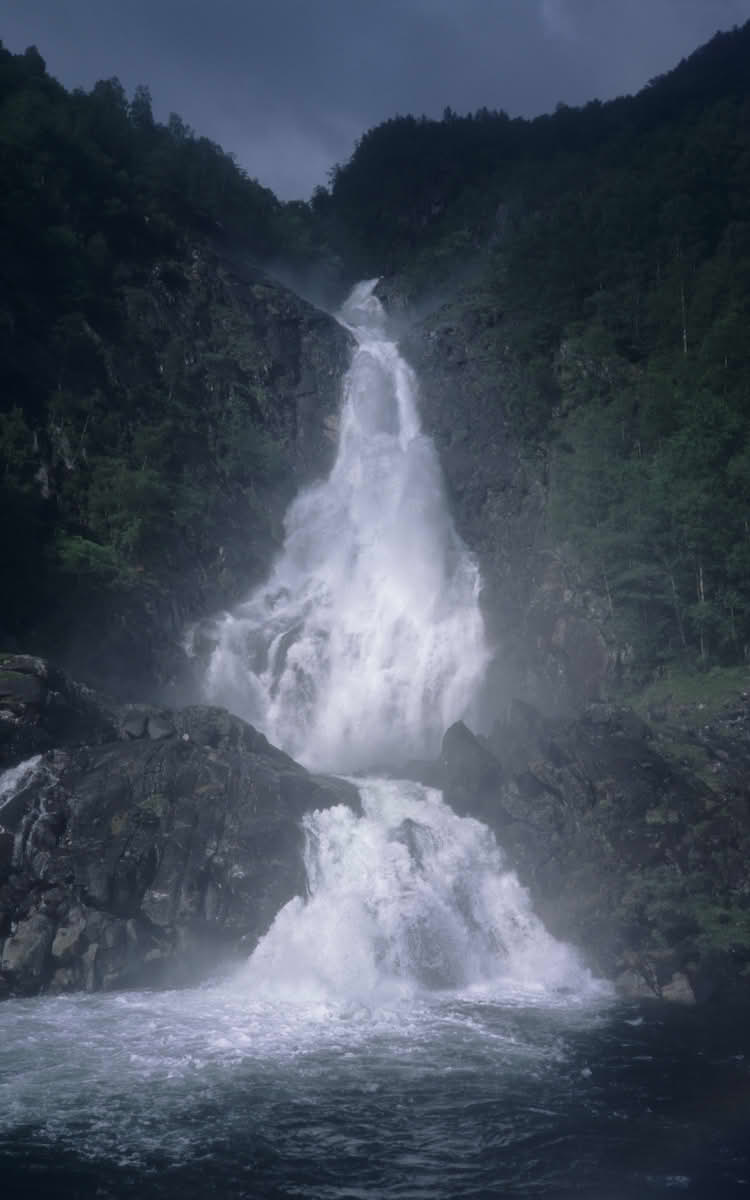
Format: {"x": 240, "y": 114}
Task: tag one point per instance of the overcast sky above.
{"x": 289, "y": 85}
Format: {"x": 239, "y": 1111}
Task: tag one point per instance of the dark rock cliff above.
{"x": 625, "y": 853}
{"x": 162, "y": 471}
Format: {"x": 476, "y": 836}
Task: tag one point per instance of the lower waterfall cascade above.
{"x": 405, "y": 899}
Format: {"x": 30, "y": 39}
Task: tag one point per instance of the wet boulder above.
{"x": 41, "y": 707}
{"x": 150, "y": 859}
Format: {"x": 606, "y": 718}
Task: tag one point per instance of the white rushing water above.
{"x": 363, "y": 646}
{"x": 367, "y": 641}
{"x": 408, "y": 898}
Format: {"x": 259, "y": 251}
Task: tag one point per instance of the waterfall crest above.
{"x": 366, "y": 641}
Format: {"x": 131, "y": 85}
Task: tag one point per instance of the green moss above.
{"x": 662, "y": 816}
{"x": 690, "y": 757}
{"x": 9, "y": 677}
{"x": 722, "y": 926}
{"x": 675, "y": 906}
{"x": 707, "y": 692}
{"x": 156, "y": 803}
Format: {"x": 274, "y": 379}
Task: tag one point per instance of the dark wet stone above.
{"x": 634, "y": 859}
{"x": 158, "y": 729}
{"x": 42, "y": 708}
{"x": 134, "y": 727}
{"x": 152, "y": 859}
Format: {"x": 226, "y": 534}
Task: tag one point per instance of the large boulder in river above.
{"x": 151, "y": 857}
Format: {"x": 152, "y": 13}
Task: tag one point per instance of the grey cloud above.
{"x": 288, "y": 85}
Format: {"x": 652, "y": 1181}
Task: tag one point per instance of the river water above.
{"x": 212, "y": 1092}
{"x": 408, "y": 1029}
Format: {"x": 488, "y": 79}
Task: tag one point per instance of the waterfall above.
{"x": 366, "y": 641}
{"x": 409, "y": 898}
{"x": 364, "y": 644}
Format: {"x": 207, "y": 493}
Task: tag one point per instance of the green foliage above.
{"x": 712, "y": 690}
{"x": 605, "y": 249}
{"x": 89, "y": 562}
{"x": 614, "y": 245}
{"x": 125, "y": 451}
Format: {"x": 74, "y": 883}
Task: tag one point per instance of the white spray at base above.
{"x": 367, "y": 641}
{"x": 409, "y": 898}
{"x": 364, "y": 645}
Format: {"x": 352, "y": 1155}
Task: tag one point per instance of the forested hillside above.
{"x": 592, "y": 266}
{"x": 152, "y": 379}
{"x": 602, "y": 256}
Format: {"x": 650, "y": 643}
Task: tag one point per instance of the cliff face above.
{"x": 630, "y": 828}
{"x": 160, "y": 477}
{"x": 626, "y": 852}
{"x": 549, "y": 633}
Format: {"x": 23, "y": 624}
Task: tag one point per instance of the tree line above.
{"x": 609, "y": 245}
{"x": 612, "y": 242}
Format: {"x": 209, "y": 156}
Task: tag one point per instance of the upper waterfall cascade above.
{"x": 366, "y": 641}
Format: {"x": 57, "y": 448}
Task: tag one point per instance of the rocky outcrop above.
{"x": 626, "y": 854}
{"x": 41, "y": 707}
{"x": 150, "y": 857}
{"x": 230, "y": 385}
{"x": 547, "y": 629}
{"x": 233, "y": 334}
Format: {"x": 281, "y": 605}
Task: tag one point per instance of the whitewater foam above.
{"x": 408, "y": 898}
{"x": 367, "y": 640}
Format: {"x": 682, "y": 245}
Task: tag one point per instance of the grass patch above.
{"x": 689, "y": 757}
{"x": 721, "y": 927}
{"x": 705, "y": 692}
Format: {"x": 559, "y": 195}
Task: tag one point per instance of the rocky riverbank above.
{"x": 626, "y": 852}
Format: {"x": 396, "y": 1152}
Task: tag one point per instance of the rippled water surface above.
{"x": 204, "y": 1092}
